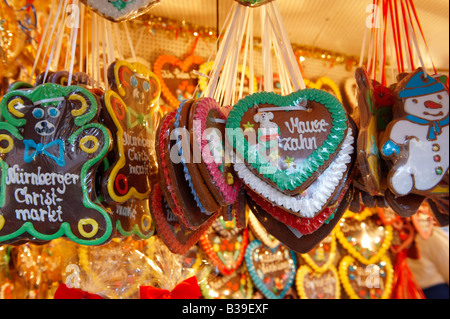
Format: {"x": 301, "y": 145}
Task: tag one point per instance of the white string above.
{"x": 74, "y": 45}
{"x": 41, "y": 44}
{"x": 130, "y": 43}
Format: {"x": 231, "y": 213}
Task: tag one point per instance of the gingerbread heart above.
{"x": 51, "y": 145}
{"x": 389, "y": 217}
{"x": 120, "y": 10}
{"x": 272, "y": 270}
{"x": 364, "y": 236}
{"x": 326, "y": 84}
{"x": 174, "y": 185}
{"x": 177, "y": 238}
{"x": 289, "y": 140}
{"x": 275, "y": 151}
{"x": 177, "y": 81}
{"x": 403, "y": 238}
{"x": 312, "y": 285}
{"x": 238, "y": 285}
{"x": 361, "y": 281}
{"x": 225, "y": 245}
{"x": 207, "y": 128}
{"x": 368, "y": 155}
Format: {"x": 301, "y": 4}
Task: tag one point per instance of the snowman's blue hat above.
{"x": 421, "y": 84}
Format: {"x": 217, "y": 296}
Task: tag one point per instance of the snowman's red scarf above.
{"x": 435, "y": 127}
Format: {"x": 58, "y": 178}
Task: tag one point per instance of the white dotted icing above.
{"x": 316, "y": 195}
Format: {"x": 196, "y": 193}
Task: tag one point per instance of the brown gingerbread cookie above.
{"x": 51, "y": 146}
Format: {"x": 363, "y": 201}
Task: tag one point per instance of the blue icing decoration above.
{"x": 256, "y": 275}
{"x": 183, "y": 161}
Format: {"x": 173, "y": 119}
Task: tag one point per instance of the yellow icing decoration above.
{"x": 2, "y": 222}
{"x": 83, "y": 107}
{"x": 89, "y": 138}
{"x": 4, "y": 137}
{"x": 305, "y": 270}
{"x": 332, "y": 255}
{"x": 351, "y": 249}
{"x": 343, "y": 276}
{"x": 146, "y": 222}
{"x": 249, "y": 127}
{"x": 12, "y": 107}
{"x": 87, "y": 221}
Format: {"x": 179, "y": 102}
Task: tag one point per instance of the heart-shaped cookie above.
{"x": 287, "y": 141}
{"x": 225, "y": 245}
{"x": 177, "y": 81}
{"x": 364, "y": 236}
{"x": 272, "y": 270}
{"x": 120, "y": 10}
{"x": 403, "y": 238}
{"x": 177, "y": 238}
{"x": 174, "y": 185}
{"x": 326, "y": 84}
{"x": 313, "y": 285}
{"x": 238, "y": 285}
{"x": 368, "y": 154}
{"x": 207, "y": 131}
{"x": 423, "y": 221}
{"x": 389, "y": 217}
{"x": 360, "y": 281}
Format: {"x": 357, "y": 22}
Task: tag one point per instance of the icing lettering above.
{"x": 175, "y": 74}
{"x": 41, "y": 205}
{"x": 125, "y": 211}
{"x": 300, "y": 143}
{"x": 17, "y": 176}
{"x": 316, "y": 126}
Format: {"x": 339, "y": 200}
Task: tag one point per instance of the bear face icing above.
{"x": 432, "y": 107}
{"x": 50, "y": 147}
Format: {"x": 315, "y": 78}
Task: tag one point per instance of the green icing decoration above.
{"x": 49, "y": 91}
{"x": 287, "y": 180}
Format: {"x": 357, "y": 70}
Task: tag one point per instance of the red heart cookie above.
{"x": 177, "y": 238}
{"x": 225, "y": 245}
{"x": 175, "y": 75}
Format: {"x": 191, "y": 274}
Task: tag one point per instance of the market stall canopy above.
{"x": 336, "y": 25}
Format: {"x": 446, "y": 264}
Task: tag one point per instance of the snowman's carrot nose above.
{"x": 432, "y": 105}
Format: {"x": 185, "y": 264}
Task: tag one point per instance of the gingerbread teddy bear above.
{"x": 132, "y": 112}
{"x": 50, "y": 147}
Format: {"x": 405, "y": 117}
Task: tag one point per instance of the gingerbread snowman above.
{"x": 417, "y": 140}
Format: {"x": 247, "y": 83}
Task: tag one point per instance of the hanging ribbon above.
{"x": 413, "y": 8}
{"x": 405, "y": 285}
{"x": 187, "y": 289}
{"x": 64, "y": 292}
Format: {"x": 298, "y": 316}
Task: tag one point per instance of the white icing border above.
{"x": 316, "y": 195}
